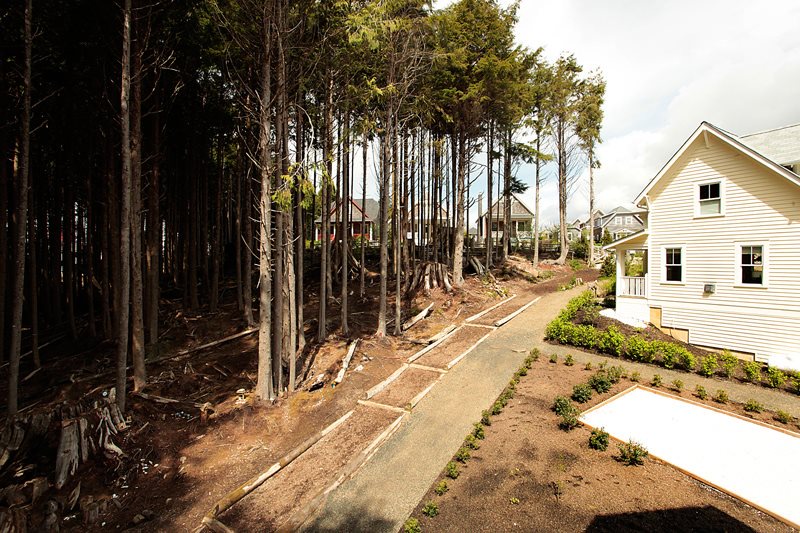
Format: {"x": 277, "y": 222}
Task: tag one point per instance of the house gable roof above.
{"x": 782, "y": 145}
{"x": 518, "y": 208}
{"x": 705, "y": 129}
{"x": 369, "y": 213}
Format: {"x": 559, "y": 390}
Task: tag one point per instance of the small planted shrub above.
{"x": 635, "y": 377}
{"x": 783, "y": 417}
{"x": 752, "y": 406}
{"x": 615, "y": 373}
{"x": 522, "y": 372}
{"x": 656, "y": 381}
{"x": 562, "y": 405}
{"x": 598, "y": 440}
{"x": 553, "y": 358}
{"x": 700, "y": 392}
{"x": 632, "y": 453}
{"x": 486, "y": 419}
{"x": 796, "y": 384}
{"x": 441, "y": 488}
{"x": 686, "y": 359}
{"x": 471, "y": 442}
{"x": 412, "y": 526}
{"x": 463, "y": 455}
{"x": 533, "y": 356}
{"x": 775, "y": 377}
{"x": 569, "y": 421}
{"x": 677, "y": 385}
{"x": 728, "y": 363}
{"x": 612, "y": 341}
{"x": 582, "y": 393}
{"x": 588, "y": 366}
{"x": 497, "y": 408}
{"x": 752, "y": 371}
{"x": 600, "y": 382}
{"x": 569, "y": 360}
{"x": 478, "y": 432}
{"x": 721, "y": 396}
{"x": 430, "y": 509}
{"x": 451, "y": 470}
{"x": 708, "y": 365}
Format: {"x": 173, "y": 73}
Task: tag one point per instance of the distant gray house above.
{"x": 618, "y": 222}
{"x": 364, "y": 220}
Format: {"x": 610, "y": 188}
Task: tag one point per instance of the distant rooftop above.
{"x": 781, "y": 145}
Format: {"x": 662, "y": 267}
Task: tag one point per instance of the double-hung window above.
{"x": 710, "y": 199}
{"x": 751, "y": 266}
{"x": 673, "y": 264}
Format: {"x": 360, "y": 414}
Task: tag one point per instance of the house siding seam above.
{"x": 760, "y": 207}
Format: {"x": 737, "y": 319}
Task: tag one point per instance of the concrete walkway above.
{"x": 387, "y": 489}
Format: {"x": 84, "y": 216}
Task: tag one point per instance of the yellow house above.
{"x": 718, "y": 262}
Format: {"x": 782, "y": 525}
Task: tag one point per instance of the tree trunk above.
{"x": 137, "y": 288}
{"x": 345, "y": 221}
{"x": 300, "y": 240}
{"x": 538, "y": 197}
{"x": 363, "y": 210}
{"x": 32, "y": 270}
{"x": 216, "y": 237}
{"x": 591, "y": 208}
{"x": 384, "y": 190}
{"x": 125, "y": 212}
{"x": 561, "y": 148}
{"x": 154, "y": 233}
{"x": 458, "y": 248}
{"x": 90, "y": 257}
{"x": 264, "y": 388}
{"x": 322, "y": 331}
{"x": 487, "y": 218}
{"x": 506, "y": 195}
{"x": 4, "y": 258}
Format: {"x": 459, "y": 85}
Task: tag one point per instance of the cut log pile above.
{"x": 427, "y": 276}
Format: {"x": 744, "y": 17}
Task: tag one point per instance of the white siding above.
{"x": 760, "y": 207}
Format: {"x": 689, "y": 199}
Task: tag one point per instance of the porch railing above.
{"x": 634, "y": 286}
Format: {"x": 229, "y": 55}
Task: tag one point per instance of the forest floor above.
{"x": 177, "y": 462}
{"x": 530, "y": 475}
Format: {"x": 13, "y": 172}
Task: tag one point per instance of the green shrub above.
{"x": 635, "y": 377}
{"x": 775, "y": 377}
{"x": 700, "y": 392}
{"x": 569, "y": 360}
{"x": 611, "y": 341}
{"x": 632, "y": 453}
{"x": 752, "y": 406}
{"x": 533, "y": 356}
{"x": 430, "y": 509}
{"x": 752, "y": 371}
{"x": 615, "y": 373}
{"x": 796, "y": 384}
{"x": 553, "y": 358}
{"x": 588, "y": 366}
{"x": 598, "y": 440}
{"x": 673, "y": 355}
{"x": 575, "y": 264}
{"x": 639, "y": 349}
{"x": 686, "y": 359}
{"x": 728, "y": 362}
{"x": 656, "y": 381}
{"x": 441, "y": 488}
{"x": 708, "y": 365}
{"x": 451, "y": 470}
{"x": 569, "y": 421}
{"x": 485, "y": 419}
{"x": 522, "y": 372}
{"x": 463, "y": 455}
{"x": 600, "y": 382}
{"x": 478, "y": 432}
{"x": 412, "y": 526}
{"x": 609, "y": 267}
{"x": 562, "y": 405}
{"x": 471, "y": 442}
{"x": 582, "y": 393}
{"x": 783, "y": 417}
{"x": 677, "y": 385}
{"x": 721, "y": 396}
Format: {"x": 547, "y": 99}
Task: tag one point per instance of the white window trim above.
{"x": 682, "y": 248}
{"x": 722, "y": 187}
{"x": 737, "y": 261}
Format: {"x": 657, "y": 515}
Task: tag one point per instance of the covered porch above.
{"x": 632, "y": 276}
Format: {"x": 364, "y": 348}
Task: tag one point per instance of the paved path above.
{"x": 387, "y": 489}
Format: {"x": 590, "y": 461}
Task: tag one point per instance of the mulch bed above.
{"x": 456, "y": 344}
{"x": 401, "y": 391}
{"x": 530, "y": 475}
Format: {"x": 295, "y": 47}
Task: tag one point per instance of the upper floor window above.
{"x": 617, "y": 220}
{"x": 710, "y": 199}
{"x": 628, "y": 220}
{"x": 752, "y": 264}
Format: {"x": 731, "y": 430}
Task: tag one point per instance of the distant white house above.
{"x": 718, "y": 261}
{"x": 521, "y": 220}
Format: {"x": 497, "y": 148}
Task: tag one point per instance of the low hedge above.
{"x": 612, "y": 341}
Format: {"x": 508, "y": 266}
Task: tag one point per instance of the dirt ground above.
{"x": 529, "y": 475}
{"x": 176, "y": 463}
{"x": 453, "y": 346}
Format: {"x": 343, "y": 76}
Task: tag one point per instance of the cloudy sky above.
{"x": 669, "y": 66}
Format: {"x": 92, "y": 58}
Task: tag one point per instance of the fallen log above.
{"x": 444, "y": 333}
{"x": 346, "y": 362}
{"x": 162, "y": 399}
{"x": 419, "y": 316}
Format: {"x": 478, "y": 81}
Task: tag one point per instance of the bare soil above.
{"x": 456, "y": 344}
{"x": 529, "y": 475}
{"x": 402, "y": 390}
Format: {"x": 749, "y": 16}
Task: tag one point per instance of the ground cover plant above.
{"x": 598, "y": 440}
{"x": 632, "y": 453}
